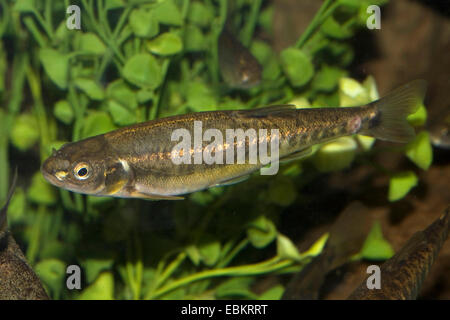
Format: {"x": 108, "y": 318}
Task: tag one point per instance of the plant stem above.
{"x": 317, "y": 21}
{"x": 271, "y": 265}
{"x": 249, "y": 28}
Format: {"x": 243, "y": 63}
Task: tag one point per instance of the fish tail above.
{"x": 390, "y": 123}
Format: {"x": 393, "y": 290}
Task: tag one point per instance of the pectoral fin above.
{"x": 297, "y": 155}
{"x": 133, "y": 193}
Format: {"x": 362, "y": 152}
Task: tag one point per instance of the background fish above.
{"x": 402, "y": 276}
{"x": 239, "y": 68}
{"x": 346, "y": 238}
{"x": 17, "y": 279}
{"x": 440, "y": 132}
{"x": 136, "y": 161}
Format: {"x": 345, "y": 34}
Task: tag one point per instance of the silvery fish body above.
{"x": 138, "y": 161}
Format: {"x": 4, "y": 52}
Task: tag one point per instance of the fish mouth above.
{"x": 55, "y": 177}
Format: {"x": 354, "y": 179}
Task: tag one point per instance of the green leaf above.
{"x": 419, "y": 117}
{"x": 101, "y": 289}
{"x": 199, "y": 14}
{"x": 400, "y": 184}
{"x": 90, "y": 87}
{"x": 261, "y": 232}
{"x": 274, "y": 293}
{"x": 97, "y": 122}
{"x": 56, "y": 65}
{"x": 120, "y": 114}
{"x": 335, "y": 30}
{"x": 93, "y": 267}
{"x": 143, "y": 23}
{"x": 194, "y": 40}
{"x": 52, "y": 273}
{"x": 120, "y": 91}
{"x": 17, "y": 206}
{"x": 209, "y": 251}
{"x": 91, "y": 43}
{"x": 63, "y": 111}
{"x": 143, "y": 70}
{"x": 297, "y": 66}
{"x": 25, "y": 131}
{"x": 41, "y": 191}
{"x": 286, "y": 249}
{"x": 336, "y": 155}
{"x": 420, "y": 151}
{"x": 145, "y": 95}
{"x": 200, "y": 97}
{"x": 168, "y": 13}
{"x": 375, "y": 247}
{"x": 327, "y": 78}
{"x": 165, "y": 44}
{"x": 193, "y": 254}
{"x": 239, "y": 286}
{"x": 282, "y": 191}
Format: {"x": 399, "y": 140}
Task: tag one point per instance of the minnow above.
{"x": 402, "y": 275}
{"x": 137, "y": 161}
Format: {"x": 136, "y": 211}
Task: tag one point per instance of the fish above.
{"x": 17, "y": 279}
{"x": 138, "y": 161}
{"x": 347, "y": 236}
{"x": 440, "y": 132}
{"x": 238, "y": 67}
{"x": 402, "y": 275}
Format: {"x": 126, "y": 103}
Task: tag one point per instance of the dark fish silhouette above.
{"x": 17, "y": 279}
{"x": 346, "y": 238}
{"x": 402, "y": 276}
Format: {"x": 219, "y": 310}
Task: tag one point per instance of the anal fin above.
{"x": 232, "y": 181}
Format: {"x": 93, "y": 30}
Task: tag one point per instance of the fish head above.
{"x": 78, "y": 166}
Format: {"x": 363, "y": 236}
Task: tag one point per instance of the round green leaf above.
{"x": 165, "y": 44}
{"x": 63, "y": 111}
{"x": 199, "y": 14}
{"x": 209, "y": 251}
{"x": 52, "y": 273}
{"x": 376, "y": 247}
{"x": 101, "y": 289}
{"x": 336, "y": 155}
{"x": 143, "y": 23}
{"x": 400, "y": 184}
{"x": 89, "y": 86}
{"x": 97, "y": 122}
{"x": 143, "y": 70}
{"x": 261, "y": 232}
{"x": 120, "y": 114}
{"x": 121, "y": 92}
{"x": 91, "y": 43}
{"x": 200, "y": 97}
{"x": 420, "y": 151}
{"x": 194, "y": 40}
{"x": 286, "y": 249}
{"x": 167, "y": 12}
{"x": 55, "y": 65}
{"x": 297, "y": 66}
{"x": 25, "y": 131}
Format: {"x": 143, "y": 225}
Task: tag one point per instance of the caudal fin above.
{"x": 390, "y": 122}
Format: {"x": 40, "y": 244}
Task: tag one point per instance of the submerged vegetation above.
{"x": 138, "y": 60}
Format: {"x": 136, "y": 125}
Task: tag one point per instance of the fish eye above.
{"x": 82, "y": 171}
